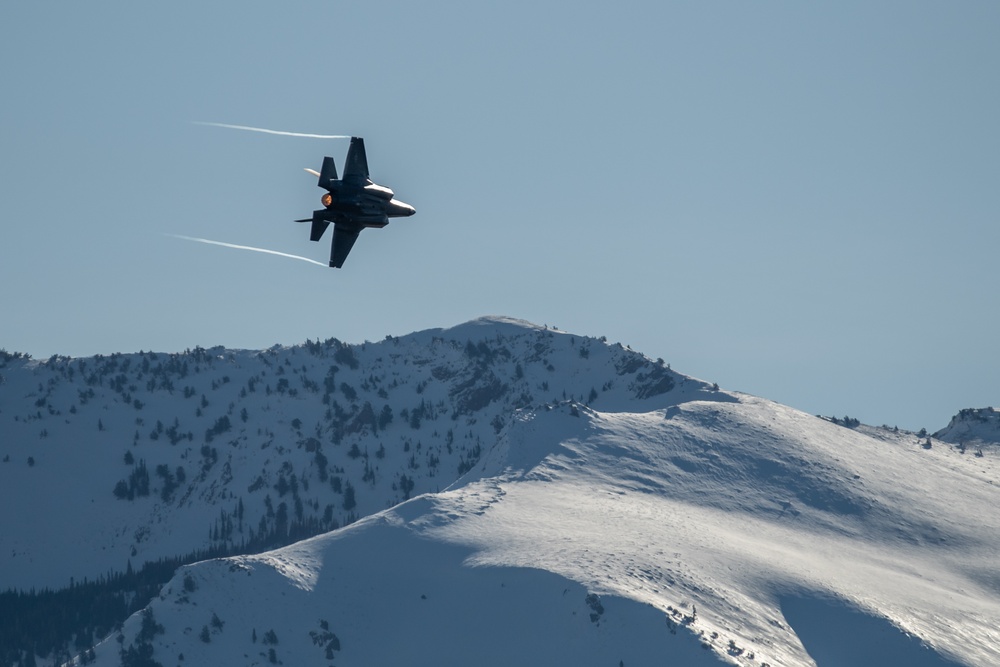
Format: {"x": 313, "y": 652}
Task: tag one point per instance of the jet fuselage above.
{"x": 369, "y": 204}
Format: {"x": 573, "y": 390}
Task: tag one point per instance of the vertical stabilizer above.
{"x": 328, "y": 174}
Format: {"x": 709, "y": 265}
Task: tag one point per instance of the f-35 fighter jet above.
{"x": 352, "y": 203}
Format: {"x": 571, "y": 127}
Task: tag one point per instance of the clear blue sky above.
{"x": 796, "y": 200}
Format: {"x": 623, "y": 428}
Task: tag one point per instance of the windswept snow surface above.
{"x": 575, "y": 503}
{"x": 703, "y": 531}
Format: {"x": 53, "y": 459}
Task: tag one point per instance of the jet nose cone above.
{"x": 400, "y": 209}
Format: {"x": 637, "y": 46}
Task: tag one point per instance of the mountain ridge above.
{"x": 573, "y": 485}
{"x": 614, "y": 519}
{"x": 313, "y": 410}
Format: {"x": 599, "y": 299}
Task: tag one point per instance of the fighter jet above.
{"x": 352, "y": 203}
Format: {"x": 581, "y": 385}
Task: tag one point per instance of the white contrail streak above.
{"x": 266, "y": 131}
{"x": 246, "y": 247}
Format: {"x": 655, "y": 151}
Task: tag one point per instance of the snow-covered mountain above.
{"x": 972, "y": 427}
{"x": 136, "y": 457}
{"x": 570, "y": 502}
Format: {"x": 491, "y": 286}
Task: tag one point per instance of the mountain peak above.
{"x": 481, "y": 328}
{"x": 488, "y": 493}
{"x": 973, "y": 427}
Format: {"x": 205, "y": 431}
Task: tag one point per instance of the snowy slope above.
{"x": 713, "y": 528}
{"x": 581, "y": 504}
{"x": 238, "y": 445}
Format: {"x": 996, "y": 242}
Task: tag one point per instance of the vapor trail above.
{"x": 246, "y": 247}
{"x": 266, "y": 131}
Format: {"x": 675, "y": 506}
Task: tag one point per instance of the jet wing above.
{"x": 344, "y": 236}
{"x": 357, "y": 161}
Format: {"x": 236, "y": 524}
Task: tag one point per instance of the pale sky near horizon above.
{"x": 795, "y": 200}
